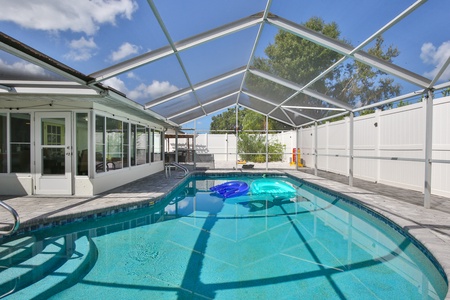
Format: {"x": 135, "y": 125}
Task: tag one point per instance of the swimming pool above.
{"x": 196, "y": 245}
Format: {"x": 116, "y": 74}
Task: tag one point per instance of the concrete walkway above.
{"x": 44, "y": 211}
{"x": 430, "y": 226}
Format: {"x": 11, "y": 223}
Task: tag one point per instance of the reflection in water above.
{"x": 310, "y": 244}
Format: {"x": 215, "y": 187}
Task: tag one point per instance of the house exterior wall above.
{"x": 92, "y": 182}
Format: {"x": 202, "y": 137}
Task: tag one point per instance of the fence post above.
{"x": 194, "y": 147}
{"x": 377, "y": 125}
{"x": 297, "y": 147}
{"x": 267, "y": 142}
{"x": 350, "y": 150}
{"x": 327, "y": 146}
{"x": 176, "y": 145}
{"x": 226, "y": 146}
{"x": 428, "y": 147}
{"x": 315, "y": 148}
{"x": 236, "y": 131}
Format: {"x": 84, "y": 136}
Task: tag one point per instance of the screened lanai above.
{"x": 307, "y": 65}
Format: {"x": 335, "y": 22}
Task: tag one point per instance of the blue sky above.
{"x": 90, "y": 35}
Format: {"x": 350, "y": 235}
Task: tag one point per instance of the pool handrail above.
{"x": 177, "y": 165}
{"x": 16, "y": 219}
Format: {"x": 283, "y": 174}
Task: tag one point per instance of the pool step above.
{"x": 16, "y": 251}
{"x": 20, "y": 275}
{"x": 66, "y": 275}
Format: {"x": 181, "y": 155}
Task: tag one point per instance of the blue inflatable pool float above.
{"x": 231, "y": 189}
{"x": 272, "y": 186}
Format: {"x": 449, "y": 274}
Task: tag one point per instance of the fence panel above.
{"x": 402, "y": 134}
{"x": 441, "y": 147}
{"x": 306, "y": 143}
{"x": 338, "y": 133}
{"x": 366, "y": 144}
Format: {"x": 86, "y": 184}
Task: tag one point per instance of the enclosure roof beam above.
{"x": 272, "y": 103}
{"x": 345, "y": 113}
{"x": 196, "y": 40}
{"x": 313, "y": 107}
{"x": 205, "y": 104}
{"x": 255, "y": 45}
{"x": 35, "y": 57}
{"x": 172, "y": 45}
{"x": 274, "y": 118}
{"x": 440, "y": 72}
{"x": 198, "y": 86}
{"x": 300, "y": 88}
{"x": 347, "y": 50}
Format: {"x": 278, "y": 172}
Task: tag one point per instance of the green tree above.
{"x": 252, "y": 147}
{"x": 362, "y": 84}
{"x": 225, "y": 121}
{"x": 255, "y": 121}
{"x": 299, "y": 60}
{"x": 446, "y": 92}
{"x": 250, "y": 142}
{"x": 248, "y": 120}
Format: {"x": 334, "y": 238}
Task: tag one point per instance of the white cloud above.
{"x": 436, "y": 56}
{"x": 143, "y": 91}
{"x": 154, "y": 90}
{"x": 117, "y": 84}
{"x": 63, "y": 15}
{"x": 22, "y": 69}
{"x": 81, "y": 49}
{"x": 132, "y": 75}
{"x": 124, "y": 50}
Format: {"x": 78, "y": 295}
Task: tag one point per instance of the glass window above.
{"x": 99, "y": 144}
{"x": 147, "y": 153}
{"x": 20, "y": 143}
{"x": 82, "y": 143}
{"x": 114, "y": 139}
{"x": 133, "y": 145}
{"x": 157, "y": 145}
{"x": 141, "y": 144}
{"x": 52, "y": 131}
{"x": 126, "y": 145}
{"x": 152, "y": 145}
{"x": 53, "y": 146}
{"x": 3, "y": 144}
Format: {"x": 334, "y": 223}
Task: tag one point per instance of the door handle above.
{"x": 68, "y": 154}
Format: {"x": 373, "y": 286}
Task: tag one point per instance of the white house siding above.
{"x": 22, "y": 184}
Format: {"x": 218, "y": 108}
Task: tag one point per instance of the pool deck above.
{"x": 430, "y": 226}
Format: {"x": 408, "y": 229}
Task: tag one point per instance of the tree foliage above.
{"x": 446, "y": 92}
{"x": 298, "y": 60}
{"x": 252, "y": 147}
{"x": 225, "y": 121}
{"x": 362, "y": 84}
{"x": 247, "y": 120}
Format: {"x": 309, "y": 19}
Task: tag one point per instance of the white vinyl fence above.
{"x": 397, "y": 136}
{"x": 223, "y": 146}
{"x": 392, "y": 135}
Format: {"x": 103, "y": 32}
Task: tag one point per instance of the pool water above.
{"x": 304, "y": 245}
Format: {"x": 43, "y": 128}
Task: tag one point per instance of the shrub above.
{"x": 253, "y": 147}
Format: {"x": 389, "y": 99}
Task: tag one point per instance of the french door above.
{"x": 53, "y": 153}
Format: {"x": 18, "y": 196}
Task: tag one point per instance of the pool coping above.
{"x": 428, "y": 226}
